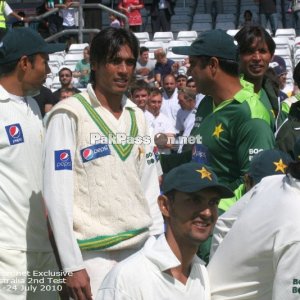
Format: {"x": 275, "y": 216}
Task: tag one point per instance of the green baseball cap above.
{"x": 211, "y": 43}
{"x": 267, "y": 163}
{"x": 193, "y": 177}
{"x": 24, "y": 41}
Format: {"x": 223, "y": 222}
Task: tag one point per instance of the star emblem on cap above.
{"x": 218, "y": 130}
{"x": 204, "y": 173}
{"x": 280, "y": 166}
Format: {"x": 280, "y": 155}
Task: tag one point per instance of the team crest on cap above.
{"x": 15, "y": 134}
{"x": 205, "y": 173}
{"x": 218, "y": 130}
{"x": 280, "y": 166}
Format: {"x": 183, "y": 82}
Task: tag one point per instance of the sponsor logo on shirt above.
{"x": 62, "y": 160}
{"x": 94, "y": 151}
{"x": 15, "y": 134}
{"x": 200, "y": 154}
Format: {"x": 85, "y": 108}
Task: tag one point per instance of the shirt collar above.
{"x": 159, "y": 252}
{"x": 4, "y": 95}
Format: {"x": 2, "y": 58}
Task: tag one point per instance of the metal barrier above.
{"x": 81, "y": 28}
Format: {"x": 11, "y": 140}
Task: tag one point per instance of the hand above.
{"x": 78, "y": 284}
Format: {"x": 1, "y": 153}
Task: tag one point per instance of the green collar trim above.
{"x": 123, "y": 150}
{"x": 221, "y": 105}
{"x": 107, "y": 241}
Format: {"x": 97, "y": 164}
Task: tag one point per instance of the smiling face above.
{"x": 255, "y": 62}
{"x": 114, "y": 77}
{"x": 140, "y": 98}
{"x": 191, "y": 216}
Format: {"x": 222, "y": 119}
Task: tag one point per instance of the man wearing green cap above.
{"x": 236, "y": 125}
{"x": 25, "y": 251}
{"x": 167, "y": 267}
{"x": 259, "y": 257}
{"x": 265, "y": 163}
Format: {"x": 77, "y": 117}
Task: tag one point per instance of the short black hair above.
{"x": 8, "y": 68}
{"x": 140, "y": 85}
{"x": 143, "y": 49}
{"x": 64, "y": 69}
{"x": 230, "y": 67}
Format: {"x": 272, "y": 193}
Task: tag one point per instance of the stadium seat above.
{"x": 202, "y": 18}
{"x": 142, "y": 36}
{"x": 153, "y": 45}
{"x": 225, "y": 25}
{"x": 71, "y": 59}
{"x": 55, "y": 84}
{"x": 187, "y": 35}
{"x": 172, "y": 44}
{"x": 289, "y": 32}
{"x": 77, "y": 48}
{"x": 164, "y": 37}
{"x": 200, "y": 27}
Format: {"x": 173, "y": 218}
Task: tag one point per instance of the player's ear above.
{"x": 164, "y": 205}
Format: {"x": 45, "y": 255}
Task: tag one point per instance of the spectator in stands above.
{"x": 159, "y": 122}
{"x": 45, "y": 99}
{"x": 114, "y": 21}
{"x": 92, "y": 17}
{"x": 140, "y": 92}
{"x": 163, "y": 65}
{"x": 295, "y": 9}
{"x": 279, "y": 66}
{"x": 6, "y": 11}
{"x": 214, "y": 7}
{"x": 65, "y": 79}
{"x": 192, "y": 84}
{"x": 181, "y": 80}
{"x": 167, "y": 267}
{"x": 66, "y": 93}
{"x": 83, "y": 69}
{"x": 268, "y": 13}
{"x": 161, "y": 12}
{"x": 257, "y": 48}
{"x": 187, "y": 102}
{"x": 248, "y": 19}
{"x": 287, "y": 103}
{"x": 170, "y": 104}
{"x": 259, "y": 257}
{"x": 19, "y": 23}
{"x": 69, "y": 13}
{"x": 53, "y": 22}
{"x": 145, "y": 66}
{"x": 132, "y": 9}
